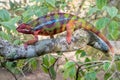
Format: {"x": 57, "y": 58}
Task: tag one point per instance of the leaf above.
{"x": 4, "y": 35}
{"x": 33, "y": 63}
{"x": 83, "y": 54}
{"x": 16, "y": 42}
{"x": 69, "y": 64}
{"x": 87, "y": 59}
{"x": 90, "y": 75}
{"x": 51, "y": 2}
{"x": 106, "y": 66}
{"x": 10, "y": 24}
{"x": 4, "y": 15}
{"x": 112, "y": 11}
{"x": 37, "y": 11}
{"x": 101, "y": 23}
{"x": 107, "y": 75}
{"x": 44, "y": 68}
{"x": 72, "y": 72}
{"x": 101, "y": 3}
{"x": 92, "y": 10}
{"x": 118, "y": 16}
{"x": 69, "y": 70}
{"x": 45, "y": 60}
{"x": 51, "y": 60}
{"x": 113, "y": 29}
{"x": 52, "y": 72}
{"x": 80, "y": 53}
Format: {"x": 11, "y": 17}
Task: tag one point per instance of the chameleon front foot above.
{"x": 26, "y": 46}
{"x": 68, "y": 39}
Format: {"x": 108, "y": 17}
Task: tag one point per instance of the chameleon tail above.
{"x": 90, "y": 27}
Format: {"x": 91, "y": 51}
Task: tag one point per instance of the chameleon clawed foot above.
{"x": 26, "y": 46}
{"x": 68, "y": 40}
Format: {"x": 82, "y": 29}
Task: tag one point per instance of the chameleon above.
{"x": 54, "y": 23}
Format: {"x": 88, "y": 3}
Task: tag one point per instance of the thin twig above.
{"x": 77, "y": 73}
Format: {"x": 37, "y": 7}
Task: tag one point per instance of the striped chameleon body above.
{"x": 55, "y": 23}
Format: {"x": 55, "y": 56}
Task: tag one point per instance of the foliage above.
{"x": 109, "y": 22}
{"x": 85, "y": 69}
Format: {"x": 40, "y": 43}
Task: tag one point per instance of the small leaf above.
{"x": 33, "y": 63}
{"x": 101, "y": 3}
{"x": 45, "y": 60}
{"x": 113, "y": 29}
{"x": 107, "y": 75}
{"x": 52, "y": 72}
{"x": 51, "y": 2}
{"x": 80, "y": 53}
{"x": 44, "y": 68}
{"x": 90, "y": 75}
{"x": 10, "y": 24}
{"x": 118, "y": 16}
{"x": 87, "y": 59}
{"x": 4, "y": 35}
{"x": 51, "y": 60}
{"x": 4, "y": 15}
{"x": 69, "y": 64}
{"x": 106, "y": 66}
{"x": 101, "y": 23}
{"x": 16, "y": 42}
{"x": 83, "y": 53}
{"x": 92, "y": 10}
{"x": 112, "y": 11}
{"x": 69, "y": 70}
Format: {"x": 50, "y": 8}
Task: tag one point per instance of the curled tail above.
{"x": 89, "y": 27}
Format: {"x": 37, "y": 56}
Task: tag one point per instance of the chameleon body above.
{"x": 55, "y": 23}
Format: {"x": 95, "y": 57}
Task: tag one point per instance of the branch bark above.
{"x": 80, "y": 39}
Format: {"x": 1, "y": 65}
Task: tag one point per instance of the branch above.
{"x": 80, "y": 39}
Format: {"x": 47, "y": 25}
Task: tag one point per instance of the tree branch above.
{"x": 80, "y": 39}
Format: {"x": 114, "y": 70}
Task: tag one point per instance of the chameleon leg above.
{"x": 30, "y": 42}
{"x": 69, "y": 28}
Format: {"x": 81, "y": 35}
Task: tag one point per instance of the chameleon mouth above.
{"x": 26, "y": 30}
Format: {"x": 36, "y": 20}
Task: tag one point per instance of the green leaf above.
{"x": 37, "y": 11}
{"x": 101, "y": 23}
{"x": 113, "y": 26}
{"x": 69, "y": 70}
{"x": 44, "y": 68}
{"x": 118, "y": 16}
{"x": 83, "y": 54}
{"x": 51, "y": 2}
{"x": 101, "y": 3}
{"x": 69, "y": 64}
{"x": 4, "y": 35}
{"x": 107, "y": 75}
{"x": 51, "y": 60}
{"x": 92, "y": 10}
{"x": 45, "y": 60}
{"x": 112, "y": 11}
{"x": 10, "y": 24}
{"x": 16, "y": 42}
{"x": 52, "y": 72}
{"x": 80, "y": 53}
{"x": 106, "y": 66}
{"x": 4, "y": 15}
{"x": 33, "y": 63}
{"x": 113, "y": 29}
{"x": 87, "y": 59}
{"x": 90, "y": 75}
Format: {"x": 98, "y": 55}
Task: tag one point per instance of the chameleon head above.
{"x": 24, "y": 28}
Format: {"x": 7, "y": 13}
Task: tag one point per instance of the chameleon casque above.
{"x": 54, "y": 23}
